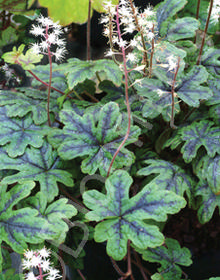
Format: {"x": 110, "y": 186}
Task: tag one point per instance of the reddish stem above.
{"x": 80, "y": 274}
{"x": 126, "y": 94}
{"x": 172, "y": 93}
{"x": 50, "y": 78}
{"x": 197, "y": 16}
{"x": 205, "y": 31}
{"x": 139, "y": 264}
{"x": 88, "y": 31}
{"x": 116, "y": 267}
{"x": 44, "y": 83}
{"x": 151, "y": 55}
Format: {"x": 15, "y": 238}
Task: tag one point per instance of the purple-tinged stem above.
{"x": 172, "y": 93}
{"x": 44, "y": 83}
{"x": 205, "y": 31}
{"x": 197, "y": 16}
{"x": 88, "y": 31}
{"x": 126, "y": 94}
{"x": 151, "y": 55}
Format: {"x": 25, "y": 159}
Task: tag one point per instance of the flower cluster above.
{"x": 10, "y": 76}
{"x": 215, "y": 11}
{"x": 50, "y": 33}
{"x": 39, "y": 259}
{"x": 130, "y": 21}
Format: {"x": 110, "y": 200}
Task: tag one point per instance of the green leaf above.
{"x": 71, "y": 10}
{"x": 170, "y": 257}
{"x": 196, "y": 135}
{"x": 54, "y": 213}
{"x": 190, "y": 90}
{"x": 141, "y": 155}
{"x": 171, "y": 177}
{"x": 123, "y": 216}
{"x": 19, "y": 133}
{"x": 8, "y": 36}
{"x": 167, "y": 9}
{"x": 165, "y": 61}
{"x": 211, "y": 172}
{"x": 211, "y": 60}
{"x": 10, "y": 274}
{"x": 42, "y": 165}
{"x": 79, "y": 70}
{"x": 26, "y": 100}
{"x": 12, "y": 57}
{"x": 214, "y": 113}
{"x": 95, "y": 136}
{"x": 27, "y": 61}
{"x": 191, "y": 10}
{"x": 189, "y": 48}
{"x": 17, "y": 227}
{"x": 157, "y": 98}
{"x": 17, "y": 57}
{"x": 209, "y": 201}
{"x": 182, "y": 28}
{"x": 214, "y": 85}
{"x": 157, "y": 276}
{"x": 12, "y": 4}
{"x": 58, "y": 77}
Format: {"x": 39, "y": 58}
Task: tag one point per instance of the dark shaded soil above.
{"x": 202, "y": 240}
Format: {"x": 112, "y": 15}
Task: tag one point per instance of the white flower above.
{"x": 124, "y": 11}
{"x": 131, "y": 57}
{"x": 52, "y": 38}
{"x": 104, "y": 19}
{"x": 109, "y": 53}
{"x": 59, "y": 54}
{"x": 44, "y": 253}
{"x": 106, "y": 32}
{"x": 35, "y": 47}
{"x": 37, "y": 30}
{"x": 44, "y": 45}
{"x": 172, "y": 62}
{"x": 30, "y": 276}
{"x": 57, "y": 26}
{"x": 36, "y": 260}
{"x": 150, "y": 35}
{"x": 50, "y": 32}
{"x": 60, "y": 42}
{"x": 26, "y": 264}
{"x": 215, "y": 15}
{"x": 45, "y": 21}
{"x": 39, "y": 260}
{"x": 29, "y": 254}
{"x": 123, "y": 2}
{"x": 133, "y": 43}
{"x": 130, "y": 28}
{"x": 45, "y": 265}
{"x": 148, "y": 12}
{"x": 122, "y": 43}
{"x": 160, "y": 92}
{"x": 53, "y": 274}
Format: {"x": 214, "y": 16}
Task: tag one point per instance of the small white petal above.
{"x": 29, "y": 254}
{"x": 44, "y": 252}
{"x": 30, "y": 276}
{"x": 37, "y": 30}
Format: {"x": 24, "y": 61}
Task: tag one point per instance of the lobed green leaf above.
{"x": 209, "y": 201}
{"x": 170, "y": 257}
{"x": 95, "y": 136}
{"x": 123, "y": 216}
{"x": 18, "y": 133}
{"x": 42, "y": 165}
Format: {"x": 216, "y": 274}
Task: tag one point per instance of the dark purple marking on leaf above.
{"x": 106, "y": 122}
